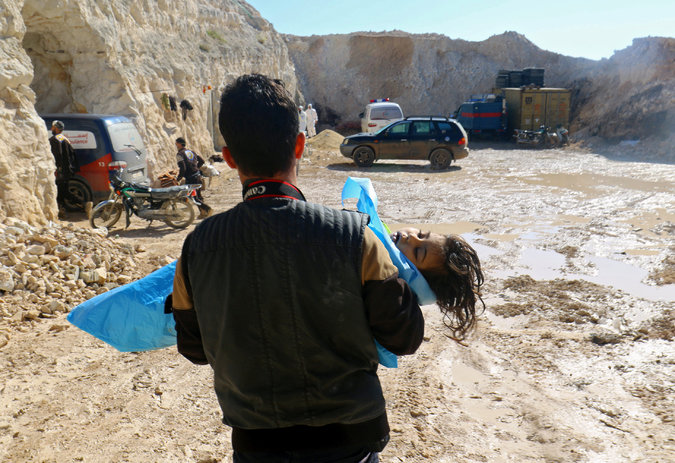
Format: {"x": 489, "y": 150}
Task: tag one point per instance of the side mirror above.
{"x": 361, "y": 115}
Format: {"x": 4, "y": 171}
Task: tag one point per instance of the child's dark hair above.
{"x": 457, "y": 286}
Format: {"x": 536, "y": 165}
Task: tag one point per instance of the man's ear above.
{"x": 228, "y": 158}
{"x": 299, "y": 145}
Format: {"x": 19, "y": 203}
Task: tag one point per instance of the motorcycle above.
{"x": 563, "y": 135}
{"x": 542, "y": 138}
{"x": 173, "y": 205}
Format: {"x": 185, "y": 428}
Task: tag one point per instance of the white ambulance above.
{"x": 379, "y": 114}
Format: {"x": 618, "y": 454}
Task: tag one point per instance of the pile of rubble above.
{"x": 49, "y": 270}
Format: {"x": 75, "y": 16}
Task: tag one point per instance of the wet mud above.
{"x": 572, "y": 360}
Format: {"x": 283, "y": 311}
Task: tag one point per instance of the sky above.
{"x": 590, "y": 29}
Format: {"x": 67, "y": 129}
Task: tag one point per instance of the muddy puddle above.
{"x": 573, "y": 358}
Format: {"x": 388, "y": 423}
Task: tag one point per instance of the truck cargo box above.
{"x": 529, "y": 108}
{"x": 482, "y": 113}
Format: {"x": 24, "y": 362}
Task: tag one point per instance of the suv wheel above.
{"x": 440, "y": 159}
{"x": 364, "y": 156}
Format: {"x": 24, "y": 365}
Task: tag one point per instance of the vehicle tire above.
{"x": 77, "y": 195}
{"x": 105, "y": 214}
{"x": 440, "y": 159}
{"x": 364, "y": 156}
{"x": 182, "y": 213}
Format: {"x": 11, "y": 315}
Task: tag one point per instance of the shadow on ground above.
{"x": 390, "y": 168}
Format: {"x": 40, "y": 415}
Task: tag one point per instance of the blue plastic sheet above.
{"x": 362, "y": 189}
{"x": 131, "y": 318}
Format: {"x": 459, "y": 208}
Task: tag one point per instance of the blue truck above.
{"x": 484, "y": 115}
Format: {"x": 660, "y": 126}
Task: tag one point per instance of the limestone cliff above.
{"x": 120, "y": 57}
{"x": 26, "y": 165}
{"x": 631, "y": 95}
{"x": 426, "y": 74}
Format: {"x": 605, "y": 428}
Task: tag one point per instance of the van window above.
{"x": 86, "y": 138}
{"x": 81, "y": 139}
{"x": 385, "y": 112}
{"x": 125, "y": 137}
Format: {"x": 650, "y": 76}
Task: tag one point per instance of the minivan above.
{"x": 102, "y": 143}
{"x": 379, "y": 114}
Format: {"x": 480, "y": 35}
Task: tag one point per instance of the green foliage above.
{"x": 215, "y": 35}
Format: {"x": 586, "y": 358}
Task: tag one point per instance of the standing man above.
{"x": 66, "y": 162}
{"x": 284, "y": 299}
{"x": 312, "y": 119}
{"x": 189, "y": 163}
{"x": 302, "y": 118}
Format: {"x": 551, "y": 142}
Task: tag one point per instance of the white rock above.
{"x": 6, "y": 280}
{"x": 36, "y": 250}
{"x": 101, "y": 275}
{"x": 11, "y": 258}
{"x": 20, "y": 267}
{"x": 62, "y": 251}
{"x": 14, "y": 231}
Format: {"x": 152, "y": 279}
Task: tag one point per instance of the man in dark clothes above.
{"x": 66, "y": 162}
{"x": 189, "y": 163}
{"x": 285, "y": 298}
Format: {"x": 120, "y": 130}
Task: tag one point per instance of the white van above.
{"x": 378, "y": 114}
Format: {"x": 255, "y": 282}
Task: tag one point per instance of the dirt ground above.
{"x": 573, "y": 359}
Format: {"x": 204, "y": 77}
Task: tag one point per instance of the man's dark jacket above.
{"x": 64, "y": 155}
{"x": 189, "y": 163}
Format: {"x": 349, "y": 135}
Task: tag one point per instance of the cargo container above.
{"x": 530, "y": 108}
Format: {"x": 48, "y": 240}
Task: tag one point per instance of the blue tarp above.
{"x": 131, "y": 318}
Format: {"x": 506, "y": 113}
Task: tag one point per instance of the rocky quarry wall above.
{"x": 119, "y": 57}
{"x": 629, "y": 96}
{"x": 127, "y": 56}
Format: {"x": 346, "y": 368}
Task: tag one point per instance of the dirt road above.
{"x": 573, "y": 360}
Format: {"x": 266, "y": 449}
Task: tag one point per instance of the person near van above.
{"x": 283, "y": 297}
{"x": 66, "y": 162}
{"x": 312, "y": 119}
{"x": 189, "y": 163}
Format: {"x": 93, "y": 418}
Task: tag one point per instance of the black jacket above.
{"x": 64, "y": 155}
{"x": 189, "y": 163}
{"x": 288, "y": 324}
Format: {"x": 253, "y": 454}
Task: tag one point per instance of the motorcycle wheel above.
{"x": 180, "y": 213}
{"x": 106, "y": 215}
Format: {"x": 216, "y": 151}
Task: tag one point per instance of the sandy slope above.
{"x": 573, "y": 359}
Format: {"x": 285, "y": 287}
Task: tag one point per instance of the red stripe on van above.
{"x": 470, "y": 115}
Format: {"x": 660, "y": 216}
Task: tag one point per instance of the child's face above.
{"x": 424, "y": 250}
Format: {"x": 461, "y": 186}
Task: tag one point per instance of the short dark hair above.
{"x": 181, "y": 140}
{"x": 259, "y": 122}
{"x": 457, "y": 286}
